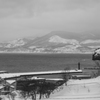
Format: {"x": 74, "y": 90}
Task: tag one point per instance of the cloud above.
{"x": 20, "y": 18}
{"x": 16, "y": 7}
{"x": 29, "y": 8}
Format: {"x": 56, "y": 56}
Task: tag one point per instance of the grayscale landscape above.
{"x": 49, "y": 26}
{"x": 54, "y": 42}
{"x": 49, "y": 49}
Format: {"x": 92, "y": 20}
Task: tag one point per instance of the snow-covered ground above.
{"x": 85, "y": 89}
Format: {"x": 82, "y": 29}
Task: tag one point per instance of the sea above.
{"x": 43, "y": 62}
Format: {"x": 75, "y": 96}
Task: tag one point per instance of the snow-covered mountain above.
{"x": 15, "y": 43}
{"x": 58, "y": 39}
{"x": 54, "y": 42}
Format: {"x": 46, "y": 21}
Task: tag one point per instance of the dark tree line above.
{"x": 40, "y": 87}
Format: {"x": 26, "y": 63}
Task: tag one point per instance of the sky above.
{"x": 31, "y": 18}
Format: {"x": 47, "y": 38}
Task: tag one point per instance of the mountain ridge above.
{"x": 54, "y": 42}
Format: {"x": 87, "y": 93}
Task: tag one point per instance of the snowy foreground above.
{"x": 85, "y": 89}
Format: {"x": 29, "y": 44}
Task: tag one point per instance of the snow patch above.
{"x": 32, "y": 47}
{"x": 90, "y": 41}
{"x": 86, "y": 89}
{"x": 97, "y": 51}
{"x": 15, "y": 43}
{"x": 57, "y": 39}
{"x": 94, "y": 47}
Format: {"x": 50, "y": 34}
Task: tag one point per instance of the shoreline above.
{"x": 42, "y": 53}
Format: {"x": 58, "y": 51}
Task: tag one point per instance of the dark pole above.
{"x": 78, "y": 65}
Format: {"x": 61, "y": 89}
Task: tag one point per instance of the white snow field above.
{"x": 85, "y": 89}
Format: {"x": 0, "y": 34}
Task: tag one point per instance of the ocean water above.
{"x": 43, "y": 62}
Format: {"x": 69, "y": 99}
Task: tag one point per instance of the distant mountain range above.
{"x": 54, "y": 42}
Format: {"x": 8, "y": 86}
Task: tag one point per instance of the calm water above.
{"x": 42, "y": 62}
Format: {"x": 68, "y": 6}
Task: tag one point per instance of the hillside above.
{"x": 54, "y": 42}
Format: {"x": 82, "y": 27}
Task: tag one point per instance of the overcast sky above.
{"x": 26, "y": 18}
